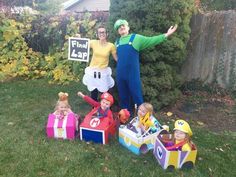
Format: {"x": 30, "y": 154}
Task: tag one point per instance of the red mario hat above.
{"x": 108, "y": 97}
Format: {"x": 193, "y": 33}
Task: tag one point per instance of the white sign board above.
{"x": 78, "y": 49}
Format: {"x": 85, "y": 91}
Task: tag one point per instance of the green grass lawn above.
{"x": 26, "y": 151}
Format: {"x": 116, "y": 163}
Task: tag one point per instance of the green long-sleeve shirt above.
{"x": 142, "y": 42}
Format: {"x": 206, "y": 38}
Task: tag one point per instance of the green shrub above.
{"x": 59, "y": 68}
{"x": 160, "y": 65}
{"x": 35, "y": 46}
{"x": 16, "y": 58}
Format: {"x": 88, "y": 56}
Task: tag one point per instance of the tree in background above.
{"x": 160, "y": 65}
{"x": 12, "y": 3}
{"x": 51, "y": 7}
{"x": 210, "y": 5}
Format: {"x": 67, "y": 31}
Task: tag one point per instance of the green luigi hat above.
{"x": 120, "y": 22}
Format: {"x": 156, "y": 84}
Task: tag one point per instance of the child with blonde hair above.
{"x": 145, "y": 121}
{"x": 62, "y": 107}
{"x": 62, "y": 123}
{"x": 181, "y": 140}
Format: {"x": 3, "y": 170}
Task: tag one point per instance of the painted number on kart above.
{"x": 94, "y": 122}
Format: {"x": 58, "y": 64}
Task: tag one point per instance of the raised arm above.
{"x": 80, "y": 94}
{"x": 88, "y": 99}
{"x": 171, "y": 30}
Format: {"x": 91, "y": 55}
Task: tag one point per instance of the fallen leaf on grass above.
{"x": 226, "y": 145}
{"x": 10, "y": 123}
{"x": 105, "y": 169}
{"x": 41, "y": 173}
{"x": 200, "y": 123}
{"x": 31, "y": 140}
{"x": 200, "y": 158}
{"x": 169, "y": 114}
{"x": 219, "y": 149}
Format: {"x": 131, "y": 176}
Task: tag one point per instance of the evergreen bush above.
{"x": 160, "y": 65}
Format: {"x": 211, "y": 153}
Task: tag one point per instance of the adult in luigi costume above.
{"x": 127, "y": 71}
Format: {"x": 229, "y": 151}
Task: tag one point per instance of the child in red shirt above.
{"x": 101, "y": 109}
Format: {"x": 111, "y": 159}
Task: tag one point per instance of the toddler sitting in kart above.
{"x": 180, "y": 141}
{"x": 100, "y": 109}
{"x": 145, "y": 122}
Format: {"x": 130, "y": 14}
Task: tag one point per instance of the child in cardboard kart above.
{"x": 62, "y": 107}
{"x": 98, "y": 124}
{"x": 101, "y": 109}
{"x": 145, "y": 122}
{"x": 181, "y": 137}
{"x": 176, "y": 150}
{"x": 140, "y": 133}
{"x": 62, "y": 123}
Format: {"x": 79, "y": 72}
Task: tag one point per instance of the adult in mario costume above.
{"x": 127, "y": 71}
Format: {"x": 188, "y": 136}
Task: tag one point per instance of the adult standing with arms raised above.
{"x": 127, "y": 71}
{"x": 97, "y": 76}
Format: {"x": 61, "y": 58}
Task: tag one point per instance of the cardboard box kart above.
{"x": 61, "y": 128}
{"x": 97, "y": 130}
{"x": 136, "y": 144}
{"x": 173, "y": 159}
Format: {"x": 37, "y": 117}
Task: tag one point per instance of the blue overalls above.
{"x": 128, "y": 75}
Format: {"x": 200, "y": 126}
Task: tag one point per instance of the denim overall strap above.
{"x": 128, "y": 75}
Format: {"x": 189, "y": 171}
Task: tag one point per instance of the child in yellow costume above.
{"x": 182, "y": 134}
{"x": 145, "y": 121}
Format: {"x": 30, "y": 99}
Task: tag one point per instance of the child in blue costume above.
{"x": 127, "y": 71}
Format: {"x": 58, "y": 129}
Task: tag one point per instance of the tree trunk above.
{"x": 212, "y": 49}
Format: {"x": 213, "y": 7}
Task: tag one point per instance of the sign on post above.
{"x": 78, "y": 49}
